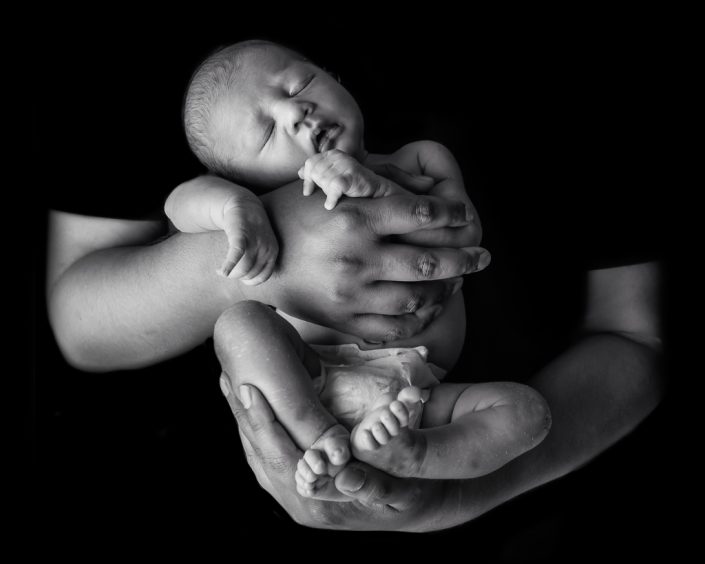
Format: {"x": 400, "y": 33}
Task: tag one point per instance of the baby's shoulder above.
{"x": 412, "y": 156}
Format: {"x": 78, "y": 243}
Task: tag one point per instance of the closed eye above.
{"x": 268, "y": 134}
{"x": 302, "y": 86}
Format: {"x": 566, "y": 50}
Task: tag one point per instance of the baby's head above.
{"x": 255, "y": 111}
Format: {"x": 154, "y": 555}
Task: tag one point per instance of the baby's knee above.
{"x": 237, "y": 323}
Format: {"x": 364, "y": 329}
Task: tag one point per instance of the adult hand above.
{"x": 469, "y": 235}
{"x": 376, "y": 501}
{"x": 339, "y": 268}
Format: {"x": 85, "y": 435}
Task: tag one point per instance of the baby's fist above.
{"x": 252, "y": 246}
{"x": 338, "y": 173}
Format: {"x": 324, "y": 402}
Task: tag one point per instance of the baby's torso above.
{"x": 443, "y": 338}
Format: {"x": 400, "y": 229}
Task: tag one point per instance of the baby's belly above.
{"x": 444, "y": 337}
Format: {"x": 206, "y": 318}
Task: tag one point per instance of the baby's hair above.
{"x": 213, "y": 78}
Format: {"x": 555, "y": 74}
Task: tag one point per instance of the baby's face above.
{"x": 281, "y": 111}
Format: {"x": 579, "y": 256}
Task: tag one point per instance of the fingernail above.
{"x": 456, "y": 286}
{"x": 224, "y": 387}
{"x": 483, "y": 260}
{"x": 245, "y": 396}
{"x": 468, "y": 214}
{"x": 354, "y": 478}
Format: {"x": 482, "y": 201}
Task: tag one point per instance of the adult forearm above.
{"x": 128, "y": 307}
{"x": 599, "y": 391}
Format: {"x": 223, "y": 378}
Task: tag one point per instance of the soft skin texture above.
{"x": 599, "y": 390}
{"x": 467, "y": 430}
{"x": 266, "y": 124}
{"x": 256, "y": 111}
{"x": 118, "y": 299}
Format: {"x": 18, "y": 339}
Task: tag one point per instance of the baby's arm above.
{"x": 209, "y": 203}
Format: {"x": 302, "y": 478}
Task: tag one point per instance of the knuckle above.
{"x": 426, "y": 266}
{"x": 347, "y": 263}
{"x": 394, "y": 333}
{"x": 411, "y": 303}
{"x": 342, "y": 182}
{"x": 278, "y": 464}
{"x": 348, "y": 219}
{"x": 338, "y": 295}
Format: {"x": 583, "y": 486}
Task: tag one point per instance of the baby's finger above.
{"x": 234, "y": 255}
{"x": 244, "y": 266}
{"x": 265, "y": 255}
{"x": 309, "y": 186}
{"x": 264, "y": 275}
{"x": 332, "y": 200}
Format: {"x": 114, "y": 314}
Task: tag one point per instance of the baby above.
{"x": 262, "y": 115}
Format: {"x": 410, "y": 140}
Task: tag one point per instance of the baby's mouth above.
{"x": 323, "y": 137}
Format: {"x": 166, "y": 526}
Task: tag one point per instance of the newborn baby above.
{"x": 262, "y": 115}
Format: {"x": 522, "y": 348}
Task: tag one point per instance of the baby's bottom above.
{"x": 467, "y": 430}
{"x": 256, "y": 346}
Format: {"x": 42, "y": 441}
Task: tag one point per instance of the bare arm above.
{"x": 598, "y": 391}
{"x": 117, "y": 299}
{"x": 196, "y": 206}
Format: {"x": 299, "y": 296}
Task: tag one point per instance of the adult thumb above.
{"x": 370, "y": 486}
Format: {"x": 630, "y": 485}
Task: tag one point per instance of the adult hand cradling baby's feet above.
{"x": 326, "y": 457}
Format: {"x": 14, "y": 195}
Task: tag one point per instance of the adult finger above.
{"x": 417, "y": 183}
{"x": 404, "y": 213}
{"x": 456, "y": 237}
{"x": 396, "y": 298}
{"x": 385, "y": 328}
{"x": 272, "y": 445}
{"x": 411, "y": 264}
{"x": 370, "y": 486}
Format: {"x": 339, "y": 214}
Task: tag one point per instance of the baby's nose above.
{"x": 298, "y": 114}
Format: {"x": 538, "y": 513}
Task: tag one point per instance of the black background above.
{"x": 562, "y": 132}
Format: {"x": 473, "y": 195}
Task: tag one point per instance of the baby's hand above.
{"x": 338, "y": 173}
{"x": 252, "y": 246}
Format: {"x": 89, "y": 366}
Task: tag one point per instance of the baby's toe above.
{"x": 364, "y": 440}
{"x": 400, "y": 411}
{"x": 304, "y": 470}
{"x": 380, "y": 433}
{"x": 304, "y": 491}
{"x": 390, "y": 422}
{"x": 336, "y": 449}
{"x": 410, "y": 395}
{"x": 315, "y": 461}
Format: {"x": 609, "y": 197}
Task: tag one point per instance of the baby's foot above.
{"x": 384, "y": 440}
{"x": 320, "y": 463}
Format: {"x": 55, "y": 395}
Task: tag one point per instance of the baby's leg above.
{"x": 256, "y": 346}
{"x": 470, "y": 430}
